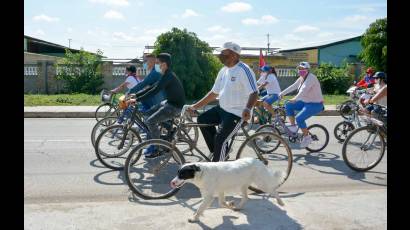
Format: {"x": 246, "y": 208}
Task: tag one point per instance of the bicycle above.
{"x": 115, "y": 141}
{"x": 344, "y": 128}
{"x": 109, "y": 106}
{"x": 367, "y": 142}
{"x": 347, "y": 108}
{"x": 149, "y": 178}
{"x": 261, "y": 116}
{"x": 278, "y": 126}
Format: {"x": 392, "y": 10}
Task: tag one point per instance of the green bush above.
{"x": 192, "y": 60}
{"x": 333, "y": 80}
{"x": 81, "y": 72}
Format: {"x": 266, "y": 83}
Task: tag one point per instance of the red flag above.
{"x": 261, "y": 60}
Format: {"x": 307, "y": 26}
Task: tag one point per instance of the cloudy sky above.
{"x": 121, "y": 28}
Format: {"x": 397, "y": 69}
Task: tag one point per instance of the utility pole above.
{"x": 267, "y": 52}
{"x": 69, "y": 43}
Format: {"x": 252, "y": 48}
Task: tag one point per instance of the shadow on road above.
{"x": 331, "y": 160}
{"x": 260, "y": 214}
{"x": 97, "y": 177}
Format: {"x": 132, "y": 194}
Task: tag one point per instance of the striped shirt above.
{"x": 234, "y": 85}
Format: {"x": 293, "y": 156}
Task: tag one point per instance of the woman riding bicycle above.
{"x": 131, "y": 80}
{"x": 269, "y": 81}
{"x": 308, "y": 100}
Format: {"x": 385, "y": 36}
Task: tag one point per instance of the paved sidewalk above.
{"x": 357, "y": 209}
{"x": 89, "y": 111}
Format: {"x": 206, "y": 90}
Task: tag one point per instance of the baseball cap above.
{"x": 230, "y": 46}
{"x": 304, "y": 65}
{"x": 266, "y": 68}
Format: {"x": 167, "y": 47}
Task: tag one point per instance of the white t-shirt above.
{"x": 273, "y": 85}
{"x": 131, "y": 82}
{"x": 234, "y": 85}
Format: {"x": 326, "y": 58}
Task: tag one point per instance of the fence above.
{"x": 41, "y": 77}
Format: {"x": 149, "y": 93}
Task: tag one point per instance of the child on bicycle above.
{"x": 308, "y": 100}
{"x": 269, "y": 81}
{"x": 130, "y": 82}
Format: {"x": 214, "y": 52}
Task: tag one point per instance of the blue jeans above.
{"x": 270, "y": 98}
{"x": 306, "y": 110}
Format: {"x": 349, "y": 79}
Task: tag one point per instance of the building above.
{"x": 334, "y": 53}
{"x": 39, "y": 50}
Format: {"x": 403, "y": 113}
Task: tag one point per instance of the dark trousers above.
{"x": 217, "y": 140}
{"x": 157, "y": 114}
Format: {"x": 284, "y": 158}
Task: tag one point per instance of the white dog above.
{"x": 216, "y": 178}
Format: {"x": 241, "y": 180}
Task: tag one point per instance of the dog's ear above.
{"x": 196, "y": 168}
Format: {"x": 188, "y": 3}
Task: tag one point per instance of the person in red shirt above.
{"x": 368, "y": 80}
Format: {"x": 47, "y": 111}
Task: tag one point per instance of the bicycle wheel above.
{"x": 105, "y": 110}
{"x": 100, "y": 126}
{"x": 351, "y": 104}
{"x": 108, "y": 149}
{"x": 320, "y": 137}
{"x": 342, "y": 130}
{"x": 364, "y": 148}
{"x": 150, "y": 178}
{"x": 184, "y": 143}
{"x": 281, "y": 159}
{"x": 267, "y": 148}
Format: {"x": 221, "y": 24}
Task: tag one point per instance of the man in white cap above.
{"x": 237, "y": 90}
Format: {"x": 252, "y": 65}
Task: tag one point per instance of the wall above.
{"x": 37, "y": 81}
{"x": 336, "y": 53}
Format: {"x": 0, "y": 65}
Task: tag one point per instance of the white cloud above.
{"x": 265, "y": 19}
{"x": 218, "y": 29}
{"x": 268, "y": 19}
{"x": 69, "y": 30}
{"x": 306, "y": 29}
{"x": 235, "y": 7}
{"x": 112, "y": 2}
{"x": 112, "y": 14}
{"x": 45, "y": 18}
{"x": 40, "y": 32}
{"x": 189, "y": 13}
{"x": 122, "y": 36}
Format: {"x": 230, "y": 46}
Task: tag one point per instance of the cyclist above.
{"x": 167, "y": 109}
{"x": 368, "y": 80}
{"x": 130, "y": 82}
{"x": 152, "y": 77}
{"x": 380, "y": 98}
{"x": 235, "y": 86}
{"x": 269, "y": 81}
{"x": 308, "y": 100}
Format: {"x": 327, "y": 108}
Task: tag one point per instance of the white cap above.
{"x": 304, "y": 65}
{"x": 230, "y": 46}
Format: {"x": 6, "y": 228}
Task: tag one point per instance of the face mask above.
{"x": 303, "y": 72}
{"x": 157, "y": 68}
{"x": 144, "y": 66}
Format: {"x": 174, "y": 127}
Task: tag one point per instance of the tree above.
{"x": 374, "y": 42}
{"x": 81, "y": 71}
{"x": 192, "y": 60}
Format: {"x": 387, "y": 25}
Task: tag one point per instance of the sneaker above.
{"x": 306, "y": 141}
{"x": 151, "y": 152}
{"x": 293, "y": 128}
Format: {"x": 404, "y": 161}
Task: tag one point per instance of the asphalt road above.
{"x": 60, "y": 166}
